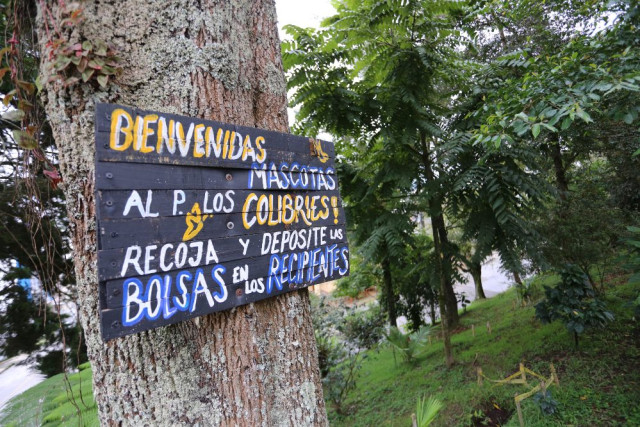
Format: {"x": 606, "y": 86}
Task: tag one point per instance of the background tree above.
{"x": 377, "y": 76}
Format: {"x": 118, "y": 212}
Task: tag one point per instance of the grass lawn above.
{"x": 50, "y": 403}
{"x": 599, "y": 383}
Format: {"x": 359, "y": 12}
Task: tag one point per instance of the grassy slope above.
{"x": 599, "y": 384}
{"x": 49, "y": 403}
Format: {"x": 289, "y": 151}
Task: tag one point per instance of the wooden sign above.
{"x": 197, "y": 216}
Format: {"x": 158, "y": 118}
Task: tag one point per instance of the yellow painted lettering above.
{"x": 246, "y": 211}
{"x": 198, "y": 141}
{"x": 262, "y": 154}
{"x": 117, "y": 127}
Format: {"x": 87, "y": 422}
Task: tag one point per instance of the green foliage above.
{"x": 339, "y": 358}
{"x": 633, "y": 263}
{"x": 573, "y": 302}
{"x": 548, "y": 406}
{"x": 567, "y": 81}
{"x": 22, "y": 324}
{"x": 427, "y": 410}
{"x": 410, "y": 345}
{"x": 341, "y": 380}
{"x": 365, "y": 328}
{"x": 585, "y": 227}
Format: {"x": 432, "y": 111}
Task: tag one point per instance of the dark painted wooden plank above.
{"x": 104, "y": 154}
{"x": 273, "y": 140}
{"x": 112, "y": 261}
{"x": 111, "y": 320}
{"x": 166, "y": 203}
{"x": 142, "y": 176}
{"x": 274, "y": 146}
{"x": 286, "y": 265}
{"x": 145, "y": 231}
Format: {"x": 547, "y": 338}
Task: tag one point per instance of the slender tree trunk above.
{"x": 475, "y": 268}
{"x": 388, "y": 291}
{"x": 444, "y": 318}
{"x": 256, "y": 364}
{"x": 562, "y": 183}
{"x": 432, "y": 311}
{"x": 447, "y": 295}
{"x": 516, "y": 278}
{"x": 447, "y": 266}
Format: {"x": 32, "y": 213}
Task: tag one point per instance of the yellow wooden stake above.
{"x": 489, "y": 327}
{"x": 520, "y": 416}
{"x": 554, "y": 375}
{"x": 479, "y": 371}
{"x": 523, "y": 374}
{"x": 473, "y": 330}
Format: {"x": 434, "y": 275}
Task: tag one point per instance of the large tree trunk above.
{"x": 256, "y": 364}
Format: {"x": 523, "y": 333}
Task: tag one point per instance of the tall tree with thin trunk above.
{"x": 256, "y": 364}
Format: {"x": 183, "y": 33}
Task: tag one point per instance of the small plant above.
{"x": 463, "y": 301}
{"x": 341, "y": 379}
{"x": 573, "y": 301}
{"x": 525, "y": 291}
{"x": 409, "y": 345}
{"x": 547, "y": 405}
{"x": 82, "y": 60}
{"x": 427, "y": 410}
{"x": 364, "y": 329}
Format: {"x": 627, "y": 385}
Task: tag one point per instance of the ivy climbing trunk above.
{"x": 254, "y": 365}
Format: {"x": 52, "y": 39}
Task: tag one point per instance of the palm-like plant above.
{"x": 427, "y": 410}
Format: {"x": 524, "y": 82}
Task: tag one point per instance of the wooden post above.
{"x": 414, "y": 420}
{"x": 555, "y": 375}
{"x": 489, "y": 327}
{"x": 429, "y": 339}
{"x": 473, "y": 330}
{"x": 479, "y": 372}
{"x": 520, "y": 416}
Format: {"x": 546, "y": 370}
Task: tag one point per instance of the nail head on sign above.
{"x": 109, "y": 175}
{"x": 230, "y": 225}
{"x": 229, "y": 177}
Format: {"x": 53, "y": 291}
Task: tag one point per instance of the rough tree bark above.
{"x": 257, "y": 364}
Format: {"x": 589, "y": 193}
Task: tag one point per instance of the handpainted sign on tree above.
{"x": 197, "y": 216}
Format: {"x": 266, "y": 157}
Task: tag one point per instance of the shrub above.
{"x": 574, "y": 303}
{"x": 365, "y": 329}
